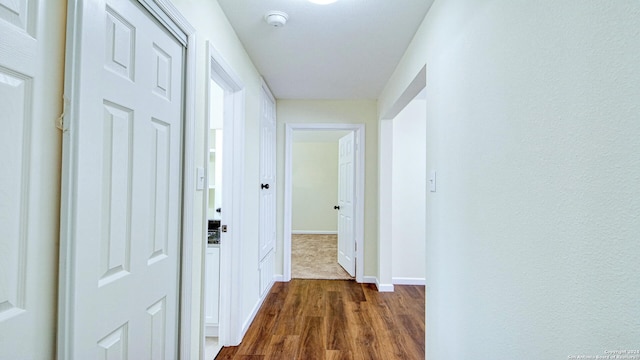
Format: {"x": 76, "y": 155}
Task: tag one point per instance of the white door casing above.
{"x": 230, "y": 317}
{"x": 346, "y": 197}
{"x": 122, "y": 168}
{"x": 31, "y": 55}
{"x": 267, "y": 173}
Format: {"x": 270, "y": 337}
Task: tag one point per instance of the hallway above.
{"x": 334, "y": 319}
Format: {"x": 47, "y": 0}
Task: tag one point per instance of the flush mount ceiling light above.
{"x": 276, "y": 18}
{"x": 323, "y": 2}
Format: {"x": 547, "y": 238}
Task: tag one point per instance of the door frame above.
{"x": 176, "y": 24}
{"x": 359, "y": 134}
{"x": 230, "y": 326}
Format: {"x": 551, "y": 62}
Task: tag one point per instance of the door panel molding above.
{"x": 359, "y": 133}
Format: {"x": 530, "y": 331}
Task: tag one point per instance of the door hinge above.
{"x": 223, "y": 228}
{"x": 60, "y": 123}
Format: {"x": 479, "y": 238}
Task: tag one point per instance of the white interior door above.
{"x": 31, "y": 56}
{"x": 122, "y": 162}
{"x": 346, "y": 198}
{"x": 267, "y": 174}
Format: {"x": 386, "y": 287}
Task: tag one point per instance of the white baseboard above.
{"x": 313, "y": 232}
{"x": 278, "y": 278}
{"x": 369, "y": 280}
{"x": 384, "y": 287}
{"x": 408, "y": 281}
{"x": 211, "y": 330}
{"x": 374, "y": 280}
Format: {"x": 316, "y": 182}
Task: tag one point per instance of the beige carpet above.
{"x": 316, "y": 257}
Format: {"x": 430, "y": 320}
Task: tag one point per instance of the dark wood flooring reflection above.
{"x": 335, "y": 319}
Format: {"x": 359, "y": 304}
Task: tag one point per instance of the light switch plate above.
{"x": 200, "y": 178}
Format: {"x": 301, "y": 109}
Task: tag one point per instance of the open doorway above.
{"x": 408, "y": 188}
{"x": 315, "y": 208}
{"x": 335, "y": 214}
{"x": 403, "y": 188}
{"x": 213, "y": 196}
{"x": 224, "y": 163}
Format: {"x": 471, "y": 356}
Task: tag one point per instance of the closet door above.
{"x": 123, "y": 171}
{"x": 31, "y": 63}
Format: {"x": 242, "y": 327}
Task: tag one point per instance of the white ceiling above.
{"x": 345, "y": 50}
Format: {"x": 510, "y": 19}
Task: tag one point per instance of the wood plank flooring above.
{"x": 335, "y": 320}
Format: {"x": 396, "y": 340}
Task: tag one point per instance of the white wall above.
{"x": 334, "y": 111}
{"x": 211, "y": 24}
{"x": 314, "y": 167}
{"x": 533, "y": 127}
{"x": 408, "y": 191}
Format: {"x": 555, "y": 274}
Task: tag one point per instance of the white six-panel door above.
{"x": 31, "y": 57}
{"x": 267, "y": 190}
{"x": 267, "y": 174}
{"x": 122, "y": 162}
{"x": 346, "y": 197}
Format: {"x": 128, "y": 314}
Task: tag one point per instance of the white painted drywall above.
{"x": 212, "y": 25}
{"x": 216, "y": 109}
{"x": 314, "y": 167}
{"x": 334, "y": 111}
{"x": 533, "y": 126}
{"x": 409, "y": 193}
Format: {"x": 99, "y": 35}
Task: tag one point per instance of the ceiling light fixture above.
{"x": 276, "y": 18}
{"x": 323, "y": 2}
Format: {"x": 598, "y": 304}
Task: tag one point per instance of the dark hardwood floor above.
{"x": 335, "y": 319}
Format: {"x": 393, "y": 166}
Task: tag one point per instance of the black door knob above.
{"x": 337, "y": 207}
{"x": 264, "y": 186}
